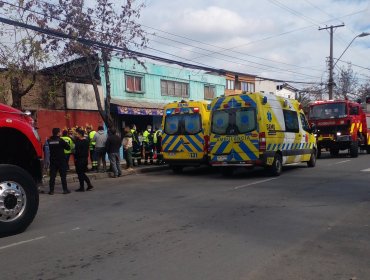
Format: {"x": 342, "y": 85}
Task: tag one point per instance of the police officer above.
{"x": 57, "y": 160}
{"x": 93, "y": 157}
{"x": 67, "y": 152}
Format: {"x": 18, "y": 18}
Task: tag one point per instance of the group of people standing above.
{"x": 96, "y": 144}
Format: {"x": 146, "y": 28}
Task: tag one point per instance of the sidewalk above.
{"x": 72, "y": 176}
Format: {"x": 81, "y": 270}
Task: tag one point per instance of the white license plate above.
{"x": 171, "y": 154}
{"x": 221, "y": 158}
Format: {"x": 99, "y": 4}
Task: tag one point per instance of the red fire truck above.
{"x": 20, "y": 170}
{"x": 341, "y": 125}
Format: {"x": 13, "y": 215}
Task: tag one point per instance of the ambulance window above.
{"x": 245, "y": 120}
{"x": 220, "y": 122}
{"x": 192, "y": 124}
{"x": 291, "y": 121}
{"x": 172, "y": 124}
{"x": 304, "y": 122}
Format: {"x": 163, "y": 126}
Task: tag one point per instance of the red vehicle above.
{"x": 20, "y": 170}
{"x": 341, "y": 125}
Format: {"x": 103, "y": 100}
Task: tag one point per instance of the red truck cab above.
{"x": 20, "y": 170}
{"x": 340, "y": 125}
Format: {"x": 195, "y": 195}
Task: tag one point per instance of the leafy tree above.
{"x": 21, "y": 51}
{"x": 346, "y": 83}
{"x": 108, "y": 21}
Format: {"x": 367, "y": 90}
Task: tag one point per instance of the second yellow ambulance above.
{"x": 256, "y": 129}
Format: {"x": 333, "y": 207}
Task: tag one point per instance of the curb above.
{"x": 73, "y": 178}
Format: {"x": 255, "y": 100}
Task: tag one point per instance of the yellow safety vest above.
{"x": 91, "y": 137}
{"x": 69, "y": 141}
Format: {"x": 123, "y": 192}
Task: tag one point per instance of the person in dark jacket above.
{"x": 81, "y": 161}
{"x": 57, "y": 160}
{"x": 113, "y": 146}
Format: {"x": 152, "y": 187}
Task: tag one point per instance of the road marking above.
{"x": 253, "y": 183}
{"x": 366, "y": 170}
{"x": 76, "y": 228}
{"x": 343, "y": 161}
{"x": 22, "y": 242}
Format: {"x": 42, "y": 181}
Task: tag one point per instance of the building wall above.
{"x": 153, "y": 73}
{"x": 287, "y": 93}
{"x": 48, "y": 119}
{"x": 266, "y": 86}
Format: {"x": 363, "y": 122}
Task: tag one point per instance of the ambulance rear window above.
{"x": 234, "y": 121}
{"x": 184, "y": 124}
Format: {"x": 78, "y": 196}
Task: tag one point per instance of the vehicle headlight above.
{"x": 315, "y": 135}
{"x": 339, "y": 133}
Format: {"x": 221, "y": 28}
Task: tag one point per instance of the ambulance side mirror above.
{"x": 313, "y": 128}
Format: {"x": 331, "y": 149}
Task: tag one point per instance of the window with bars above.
{"x": 172, "y": 88}
{"x": 134, "y": 83}
{"x": 247, "y": 86}
{"x": 209, "y": 92}
{"x": 230, "y": 84}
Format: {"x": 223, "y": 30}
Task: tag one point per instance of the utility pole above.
{"x": 331, "y": 63}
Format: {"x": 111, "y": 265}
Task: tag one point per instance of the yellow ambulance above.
{"x": 185, "y": 135}
{"x": 256, "y": 129}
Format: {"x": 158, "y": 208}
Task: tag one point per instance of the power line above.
{"x": 92, "y": 43}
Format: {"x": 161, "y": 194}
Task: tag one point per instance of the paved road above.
{"x": 306, "y": 224}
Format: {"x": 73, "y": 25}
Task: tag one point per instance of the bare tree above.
{"x": 364, "y": 91}
{"x": 108, "y": 21}
{"x": 346, "y": 83}
{"x": 21, "y": 51}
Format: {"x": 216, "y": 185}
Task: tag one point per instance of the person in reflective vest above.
{"x": 148, "y": 144}
{"x": 67, "y": 152}
{"x": 157, "y": 139}
{"x": 93, "y": 158}
{"x": 136, "y": 145}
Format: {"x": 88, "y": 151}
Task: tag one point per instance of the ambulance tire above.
{"x": 312, "y": 161}
{"x": 353, "y": 149}
{"x": 334, "y": 152}
{"x": 227, "y": 171}
{"x": 177, "y": 169}
{"x": 277, "y": 166}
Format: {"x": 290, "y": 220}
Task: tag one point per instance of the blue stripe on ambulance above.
{"x": 247, "y": 151}
{"x": 218, "y": 104}
{"x": 222, "y": 147}
{"x": 200, "y": 139}
{"x": 188, "y": 148}
{"x": 189, "y": 138}
{"x": 170, "y": 144}
{"x": 178, "y": 145}
{"x": 247, "y": 99}
{"x": 165, "y": 138}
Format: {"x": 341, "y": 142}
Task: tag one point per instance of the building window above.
{"x": 134, "y": 83}
{"x": 247, "y": 87}
{"x": 230, "y": 84}
{"x": 209, "y": 92}
{"x": 172, "y": 88}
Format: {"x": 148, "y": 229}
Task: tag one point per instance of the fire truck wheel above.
{"x": 277, "y": 166}
{"x": 312, "y": 161}
{"x": 19, "y": 199}
{"x": 353, "y": 149}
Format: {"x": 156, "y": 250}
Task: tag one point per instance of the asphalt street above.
{"x": 309, "y": 223}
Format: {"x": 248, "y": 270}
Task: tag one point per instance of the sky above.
{"x": 277, "y": 39}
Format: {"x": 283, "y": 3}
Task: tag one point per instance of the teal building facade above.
{"x": 140, "y": 90}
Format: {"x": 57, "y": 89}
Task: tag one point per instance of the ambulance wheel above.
{"x": 334, "y": 152}
{"x": 227, "y": 171}
{"x": 19, "y": 199}
{"x": 353, "y": 149}
{"x": 177, "y": 169}
{"x": 277, "y": 166}
{"x": 312, "y": 161}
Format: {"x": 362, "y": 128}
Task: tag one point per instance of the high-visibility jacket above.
{"x": 156, "y": 135}
{"x": 146, "y": 136}
{"x": 91, "y": 139}
{"x": 69, "y": 141}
